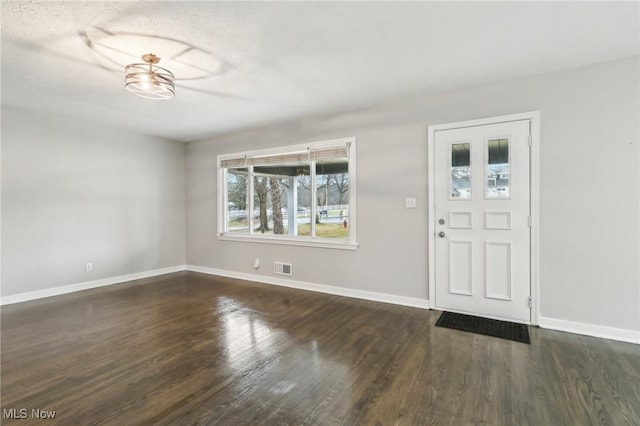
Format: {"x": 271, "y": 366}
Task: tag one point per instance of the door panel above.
{"x": 482, "y": 204}
{"x": 461, "y": 267}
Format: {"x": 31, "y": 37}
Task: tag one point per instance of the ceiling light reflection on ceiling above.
{"x": 148, "y": 80}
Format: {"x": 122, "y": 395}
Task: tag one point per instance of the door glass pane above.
{"x": 460, "y": 182}
{"x": 498, "y": 169}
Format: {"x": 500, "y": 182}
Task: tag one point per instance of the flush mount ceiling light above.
{"x": 148, "y": 80}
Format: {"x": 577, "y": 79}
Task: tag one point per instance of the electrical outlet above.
{"x": 88, "y": 266}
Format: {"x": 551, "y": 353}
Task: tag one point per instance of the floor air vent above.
{"x": 282, "y": 268}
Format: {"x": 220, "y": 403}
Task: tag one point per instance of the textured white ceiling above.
{"x": 244, "y": 64}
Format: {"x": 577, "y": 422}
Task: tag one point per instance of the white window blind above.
{"x": 315, "y": 154}
{"x": 234, "y": 162}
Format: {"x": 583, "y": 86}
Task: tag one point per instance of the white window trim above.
{"x": 330, "y": 243}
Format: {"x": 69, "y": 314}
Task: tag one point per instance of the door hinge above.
{"x": 530, "y": 140}
{"x": 530, "y": 221}
{"x": 530, "y": 302}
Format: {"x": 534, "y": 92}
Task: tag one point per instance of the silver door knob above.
{"x": 441, "y": 234}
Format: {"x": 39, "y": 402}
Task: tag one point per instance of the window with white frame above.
{"x": 302, "y": 194}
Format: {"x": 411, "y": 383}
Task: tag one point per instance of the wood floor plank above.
{"x": 189, "y": 348}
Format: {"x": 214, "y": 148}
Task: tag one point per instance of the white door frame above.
{"x": 534, "y": 120}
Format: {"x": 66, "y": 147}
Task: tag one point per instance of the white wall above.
{"x": 76, "y": 192}
{"x": 590, "y": 190}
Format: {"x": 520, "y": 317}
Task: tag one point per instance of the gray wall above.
{"x": 590, "y": 188}
{"x": 75, "y": 192}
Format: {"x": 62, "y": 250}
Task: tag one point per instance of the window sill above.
{"x": 299, "y": 241}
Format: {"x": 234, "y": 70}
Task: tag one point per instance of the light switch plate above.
{"x": 409, "y": 203}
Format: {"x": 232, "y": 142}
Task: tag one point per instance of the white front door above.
{"x": 482, "y": 224}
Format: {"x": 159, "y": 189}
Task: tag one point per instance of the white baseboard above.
{"x": 56, "y": 291}
{"x": 620, "y": 334}
{"x": 604, "y": 332}
{"x": 320, "y": 288}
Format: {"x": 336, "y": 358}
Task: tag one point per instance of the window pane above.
{"x": 332, "y": 193}
{"x": 260, "y": 202}
{"x": 498, "y": 169}
{"x": 460, "y": 182}
{"x": 303, "y": 197}
{"x": 278, "y": 194}
{"x": 237, "y": 217}
{"x": 270, "y": 203}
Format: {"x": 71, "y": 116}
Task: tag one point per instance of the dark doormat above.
{"x": 488, "y": 327}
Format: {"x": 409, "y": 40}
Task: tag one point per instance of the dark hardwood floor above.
{"x": 188, "y": 348}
